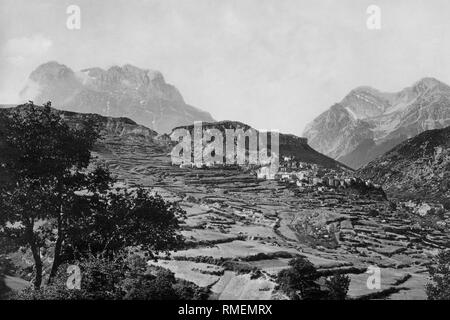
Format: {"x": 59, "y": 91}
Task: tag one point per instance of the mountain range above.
{"x": 367, "y": 122}
{"x": 127, "y": 91}
{"x": 357, "y": 132}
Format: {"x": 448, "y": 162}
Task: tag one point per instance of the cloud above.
{"x": 20, "y": 51}
{"x": 31, "y": 90}
{"x": 18, "y": 56}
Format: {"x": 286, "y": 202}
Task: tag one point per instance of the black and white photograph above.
{"x": 249, "y": 151}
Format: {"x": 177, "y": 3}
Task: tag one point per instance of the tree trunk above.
{"x": 57, "y": 251}
{"x": 37, "y": 264}
{"x": 56, "y": 260}
{"x": 35, "y": 250}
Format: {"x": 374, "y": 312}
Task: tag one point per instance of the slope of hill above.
{"x": 418, "y": 168}
{"x": 368, "y": 123}
{"x": 141, "y": 95}
{"x": 123, "y": 145}
{"x": 122, "y": 128}
{"x": 290, "y": 145}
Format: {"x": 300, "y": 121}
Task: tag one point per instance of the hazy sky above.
{"x": 274, "y": 64}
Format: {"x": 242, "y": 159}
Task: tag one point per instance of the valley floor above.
{"x": 237, "y": 225}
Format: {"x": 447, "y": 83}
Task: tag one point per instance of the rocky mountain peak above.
{"x": 365, "y": 102}
{"x": 430, "y": 86}
{"x": 127, "y": 76}
{"x": 139, "y": 94}
{"x": 52, "y": 71}
{"x": 365, "y": 90}
{"x": 427, "y": 82}
{"x": 377, "y": 121}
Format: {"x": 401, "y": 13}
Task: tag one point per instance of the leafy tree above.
{"x": 439, "y": 288}
{"x": 338, "y": 287}
{"x": 23, "y": 207}
{"x": 110, "y": 222}
{"x": 44, "y": 161}
{"x": 51, "y": 200}
{"x": 299, "y": 281}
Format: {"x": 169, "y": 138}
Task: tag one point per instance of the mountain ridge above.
{"x": 289, "y": 145}
{"x": 369, "y": 122}
{"x": 140, "y": 94}
{"x": 418, "y": 168}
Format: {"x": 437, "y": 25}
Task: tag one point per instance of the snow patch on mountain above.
{"x": 354, "y": 115}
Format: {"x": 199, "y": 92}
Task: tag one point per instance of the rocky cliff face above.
{"x": 367, "y": 123}
{"x": 141, "y": 95}
{"x": 336, "y": 131}
{"x": 289, "y": 145}
{"x": 418, "y": 168}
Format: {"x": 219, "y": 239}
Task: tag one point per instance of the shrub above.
{"x": 338, "y": 287}
{"x": 123, "y": 277}
{"x": 439, "y": 288}
{"x": 299, "y": 281}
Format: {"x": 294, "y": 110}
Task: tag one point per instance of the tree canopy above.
{"x": 52, "y": 200}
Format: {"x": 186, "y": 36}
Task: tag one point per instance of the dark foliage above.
{"x": 301, "y": 282}
{"x": 439, "y": 288}
{"x": 50, "y": 201}
{"x": 44, "y": 160}
{"x": 118, "y": 219}
{"x": 123, "y": 277}
{"x": 338, "y": 287}
{"x": 446, "y": 204}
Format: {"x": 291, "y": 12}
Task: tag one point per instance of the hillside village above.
{"x": 309, "y": 176}
{"x": 313, "y": 178}
{"x": 306, "y": 176}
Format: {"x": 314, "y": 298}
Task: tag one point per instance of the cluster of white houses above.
{"x": 307, "y": 175}
{"x": 304, "y": 175}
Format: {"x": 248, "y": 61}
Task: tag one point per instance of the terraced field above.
{"x": 241, "y": 231}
